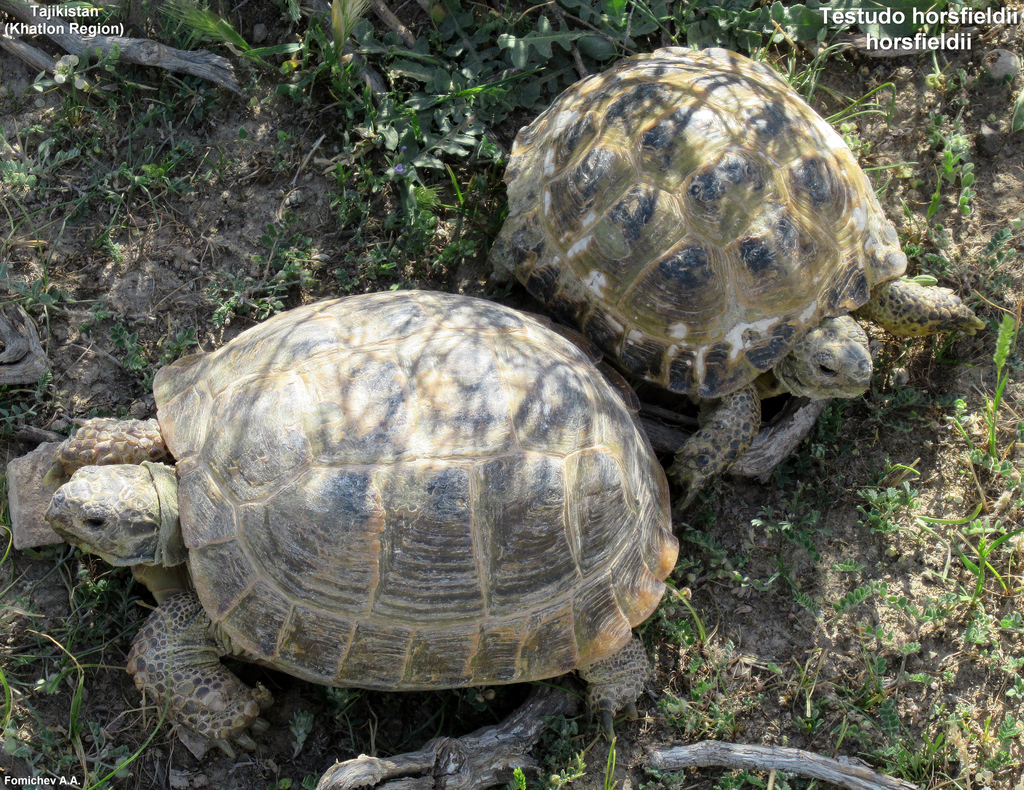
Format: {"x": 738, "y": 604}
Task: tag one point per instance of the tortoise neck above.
{"x": 170, "y": 550}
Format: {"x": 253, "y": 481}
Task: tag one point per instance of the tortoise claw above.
{"x": 607, "y": 714}
{"x": 225, "y": 747}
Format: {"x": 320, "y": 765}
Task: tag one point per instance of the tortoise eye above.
{"x": 95, "y": 523}
{"x": 825, "y": 370}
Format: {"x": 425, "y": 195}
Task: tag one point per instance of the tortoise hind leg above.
{"x": 176, "y": 660}
{"x": 615, "y": 683}
{"x": 725, "y": 435}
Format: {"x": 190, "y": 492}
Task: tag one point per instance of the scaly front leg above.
{"x": 102, "y": 441}
{"x": 907, "y": 309}
{"x": 726, "y": 434}
{"x": 176, "y": 660}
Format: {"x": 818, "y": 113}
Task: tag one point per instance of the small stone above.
{"x": 179, "y": 780}
{"x": 259, "y": 33}
{"x": 988, "y": 141}
{"x": 29, "y": 498}
{"x": 1002, "y": 65}
{"x": 900, "y": 377}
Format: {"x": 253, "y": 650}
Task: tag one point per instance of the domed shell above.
{"x": 414, "y": 490}
{"x": 693, "y": 216}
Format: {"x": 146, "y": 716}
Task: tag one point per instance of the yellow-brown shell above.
{"x": 414, "y": 490}
{"x": 693, "y": 216}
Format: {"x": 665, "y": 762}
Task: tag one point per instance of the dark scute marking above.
{"x": 851, "y": 291}
{"x": 581, "y": 128}
{"x": 659, "y": 136}
{"x": 526, "y": 247}
{"x": 449, "y": 492}
{"x": 708, "y": 185}
{"x": 633, "y": 212}
{"x": 720, "y": 375}
{"x": 812, "y": 176}
{"x": 773, "y": 348}
{"x": 542, "y": 282}
{"x": 600, "y": 331}
{"x": 643, "y": 359}
{"x": 687, "y": 268}
{"x": 681, "y": 377}
{"x": 566, "y": 309}
{"x": 735, "y": 169}
{"x": 771, "y": 120}
{"x": 638, "y": 95}
{"x": 756, "y": 254}
{"x": 587, "y": 176}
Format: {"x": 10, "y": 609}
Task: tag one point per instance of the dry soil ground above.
{"x": 786, "y": 635}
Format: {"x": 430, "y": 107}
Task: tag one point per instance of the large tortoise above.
{"x": 407, "y": 490}
{"x": 698, "y": 221}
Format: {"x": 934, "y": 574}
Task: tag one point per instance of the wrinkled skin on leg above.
{"x": 102, "y": 441}
{"x": 615, "y": 683}
{"x": 725, "y": 435}
{"x": 175, "y": 659}
{"x": 908, "y": 309}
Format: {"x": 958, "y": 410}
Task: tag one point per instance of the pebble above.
{"x": 988, "y": 141}
{"x": 259, "y": 33}
{"x": 1002, "y": 65}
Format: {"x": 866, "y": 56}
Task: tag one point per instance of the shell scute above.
{"x": 222, "y": 574}
{"x": 358, "y": 408}
{"x": 440, "y": 656}
{"x": 429, "y": 560}
{"x": 377, "y": 655}
{"x": 527, "y": 550}
{"x": 310, "y": 640}
{"x": 254, "y": 454}
{"x": 261, "y": 615}
{"x": 456, "y": 402}
{"x": 319, "y": 539}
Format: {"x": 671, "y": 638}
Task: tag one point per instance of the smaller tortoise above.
{"x": 711, "y": 233}
{"x": 393, "y": 491}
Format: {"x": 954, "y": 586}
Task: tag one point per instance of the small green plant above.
{"x": 133, "y": 353}
{"x": 886, "y": 505}
{"x": 954, "y": 165}
{"x": 564, "y": 762}
{"x": 518, "y": 780}
{"x": 300, "y": 727}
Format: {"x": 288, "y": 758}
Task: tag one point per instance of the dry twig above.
{"x": 842, "y": 772}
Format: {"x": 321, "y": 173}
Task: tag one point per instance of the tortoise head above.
{"x": 831, "y": 361}
{"x": 119, "y": 513}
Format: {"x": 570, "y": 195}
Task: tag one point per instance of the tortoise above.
{"x": 712, "y": 234}
{"x": 395, "y": 491}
